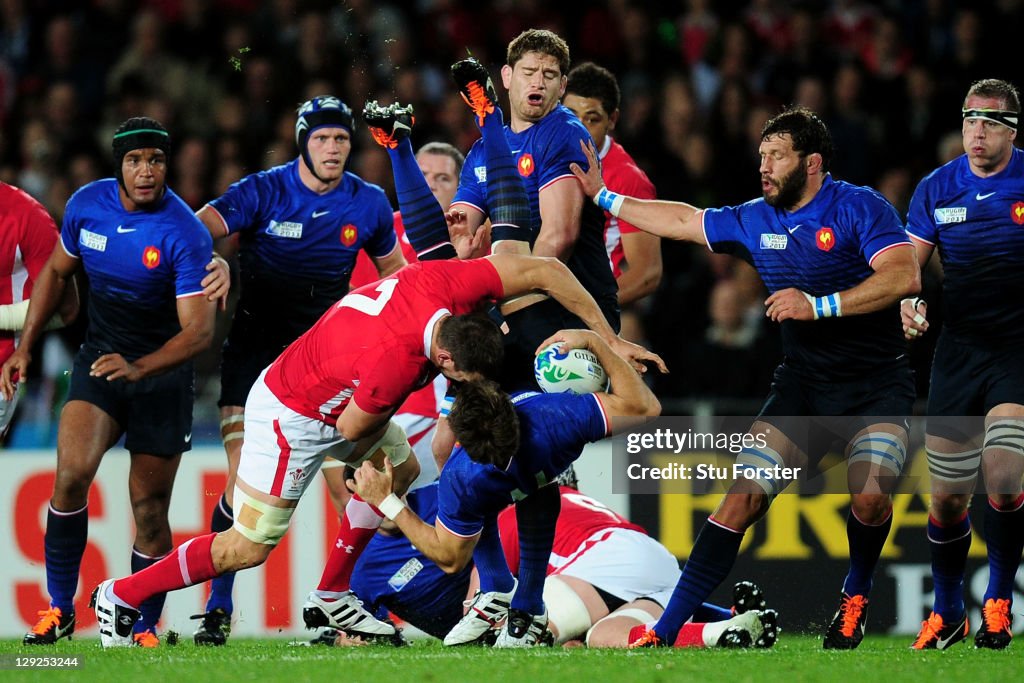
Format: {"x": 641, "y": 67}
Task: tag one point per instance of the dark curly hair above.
{"x": 593, "y": 81}
{"x": 485, "y": 423}
{"x": 807, "y": 130}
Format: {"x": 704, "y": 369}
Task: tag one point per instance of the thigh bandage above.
{"x": 394, "y": 443}
{"x": 259, "y": 521}
{"x": 961, "y": 466}
{"x": 566, "y": 609}
{"x": 1007, "y": 435}
{"x": 879, "y": 448}
{"x": 761, "y": 460}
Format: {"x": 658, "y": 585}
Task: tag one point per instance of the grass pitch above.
{"x": 794, "y": 658}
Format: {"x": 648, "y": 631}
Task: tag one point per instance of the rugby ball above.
{"x": 576, "y": 372}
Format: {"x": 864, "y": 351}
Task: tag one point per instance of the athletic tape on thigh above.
{"x": 258, "y": 521}
{"x": 762, "y": 458}
{"x": 954, "y": 466}
{"x": 394, "y": 443}
{"x": 635, "y": 613}
{"x": 879, "y": 448}
{"x": 566, "y": 609}
{"x": 234, "y": 434}
{"x": 1007, "y": 435}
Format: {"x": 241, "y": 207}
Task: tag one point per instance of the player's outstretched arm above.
{"x": 629, "y": 395}
{"x": 675, "y": 220}
{"x": 449, "y": 552}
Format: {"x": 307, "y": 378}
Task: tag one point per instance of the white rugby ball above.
{"x": 577, "y": 372}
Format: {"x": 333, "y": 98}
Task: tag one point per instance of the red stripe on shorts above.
{"x": 282, "y": 460}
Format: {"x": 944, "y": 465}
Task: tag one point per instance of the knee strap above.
{"x": 1007, "y": 435}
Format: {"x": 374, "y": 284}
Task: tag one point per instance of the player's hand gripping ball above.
{"x": 577, "y": 371}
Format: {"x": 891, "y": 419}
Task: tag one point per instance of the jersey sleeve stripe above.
{"x": 919, "y": 238}
{"x": 66, "y": 250}
{"x": 188, "y": 295}
{"x": 704, "y": 230}
{"x": 456, "y": 533}
{"x": 223, "y": 222}
{"x": 420, "y": 254}
{"x": 469, "y": 204}
{"x": 555, "y": 180}
{"x": 885, "y": 249}
{"x": 604, "y": 415}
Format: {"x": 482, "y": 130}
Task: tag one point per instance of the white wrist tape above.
{"x": 391, "y": 506}
{"x": 828, "y": 306}
{"x": 609, "y": 201}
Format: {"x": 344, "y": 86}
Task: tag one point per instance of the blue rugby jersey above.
{"x": 977, "y": 224}
{"x": 295, "y": 241}
{"x": 553, "y": 430}
{"x": 824, "y": 247}
{"x": 392, "y": 574}
{"x": 138, "y": 263}
{"x": 542, "y": 154}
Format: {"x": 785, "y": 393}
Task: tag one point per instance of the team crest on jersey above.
{"x": 526, "y": 165}
{"x": 951, "y": 214}
{"x": 92, "y": 240}
{"x": 825, "y": 238}
{"x": 773, "y": 241}
{"x": 151, "y": 257}
{"x": 288, "y": 229}
{"x": 1017, "y": 213}
{"x": 349, "y": 234}
{"x": 481, "y": 173}
{"x": 297, "y": 476}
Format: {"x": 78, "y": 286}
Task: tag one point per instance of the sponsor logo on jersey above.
{"x": 526, "y": 165}
{"x": 773, "y": 241}
{"x": 951, "y": 214}
{"x": 481, "y": 173}
{"x": 151, "y": 257}
{"x": 92, "y": 240}
{"x": 1017, "y": 213}
{"x": 825, "y": 238}
{"x": 287, "y": 229}
{"x": 349, "y": 234}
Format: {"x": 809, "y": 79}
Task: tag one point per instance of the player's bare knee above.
{"x": 605, "y": 634}
{"x": 871, "y": 509}
{"x": 70, "y": 492}
{"x": 741, "y": 507}
{"x": 947, "y": 508}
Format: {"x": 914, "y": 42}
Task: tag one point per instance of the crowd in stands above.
{"x": 698, "y": 80}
